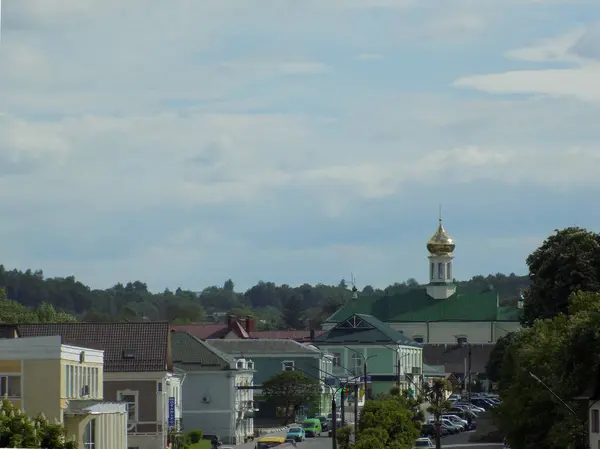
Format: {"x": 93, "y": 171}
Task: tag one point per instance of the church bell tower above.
{"x": 441, "y": 248}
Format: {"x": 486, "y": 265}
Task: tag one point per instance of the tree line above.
{"x": 543, "y": 370}
{"x": 274, "y": 306}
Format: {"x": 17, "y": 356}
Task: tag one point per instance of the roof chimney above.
{"x": 249, "y": 324}
{"x": 230, "y": 321}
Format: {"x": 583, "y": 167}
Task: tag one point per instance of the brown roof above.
{"x": 128, "y": 347}
{"x": 299, "y": 336}
{"x": 208, "y": 331}
{"x": 453, "y": 358}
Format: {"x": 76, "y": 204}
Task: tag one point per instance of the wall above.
{"x": 213, "y": 415}
{"x": 594, "y": 437}
{"x": 111, "y": 429}
{"x": 446, "y": 332}
{"x": 42, "y": 385}
{"x": 147, "y": 393}
{"x": 267, "y": 366}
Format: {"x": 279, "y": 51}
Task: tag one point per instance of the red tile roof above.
{"x": 207, "y": 331}
{"x": 299, "y": 336}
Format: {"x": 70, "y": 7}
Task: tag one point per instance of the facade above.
{"x": 440, "y": 312}
{"x": 219, "y": 399}
{"x": 138, "y": 372}
{"x": 65, "y": 383}
{"x": 271, "y": 356}
{"x": 363, "y": 341}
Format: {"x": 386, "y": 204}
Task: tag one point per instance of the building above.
{"x": 138, "y": 371}
{"x": 232, "y": 328}
{"x": 271, "y": 356}
{"x": 219, "y": 398}
{"x": 364, "y": 342}
{"x": 440, "y": 312}
{"x": 65, "y": 383}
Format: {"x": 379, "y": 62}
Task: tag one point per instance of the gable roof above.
{"x": 365, "y": 329}
{"x": 188, "y": 350}
{"x": 415, "y": 305}
{"x": 128, "y": 347}
{"x": 263, "y": 347}
{"x": 205, "y": 331}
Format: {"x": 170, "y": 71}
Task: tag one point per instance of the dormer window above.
{"x": 461, "y": 339}
{"x": 418, "y": 338}
{"x": 250, "y": 364}
{"x": 240, "y": 364}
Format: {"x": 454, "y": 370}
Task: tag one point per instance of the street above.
{"x": 460, "y": 441}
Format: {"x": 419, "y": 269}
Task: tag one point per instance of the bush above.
{"x": 194, "y": 436}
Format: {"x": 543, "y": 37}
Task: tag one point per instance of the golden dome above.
{"x": 440, "y": 243}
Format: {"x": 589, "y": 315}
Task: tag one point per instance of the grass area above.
{"x": 204, "y": 444}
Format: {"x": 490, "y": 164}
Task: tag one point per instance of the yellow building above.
{"x": 64, "y": 382}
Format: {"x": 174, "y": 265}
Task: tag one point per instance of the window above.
{"x": 440, "y": 270}
{"x": 10, "y": 386}
{"x": 357, "y": 364}
{"x": 461, "y": 339}
{"x": 432, "y": 271}
{"x": 131, "y": 399}
{"x": 250, "y": 364}
{"x": 71, "y": 381}
{"x": 595, "y": 421}
{"x": 418, "y": 338}
{"x": 89, "y": 435}
{"x": 337, "y": 359}
{"x": 449, "y": 270}
{"x": 288, "y": 365}
{"x": 67, "y": 381}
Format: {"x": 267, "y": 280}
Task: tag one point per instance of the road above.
{"x": 460, "y": 441}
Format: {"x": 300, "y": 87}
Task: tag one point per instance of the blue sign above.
{"x": 171, "y": 411}
{"x": 362, "y": 379}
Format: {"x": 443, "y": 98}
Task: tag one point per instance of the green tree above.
{"x": 436, "y": 395}
{"x": 494, "y": 365}
{"x": 288, "y": 390}
{"x": 19, "y": 430}
{"x": 566, "y": 262}
{"x": 557, "y": 351}
{"x": 388, "y": 422}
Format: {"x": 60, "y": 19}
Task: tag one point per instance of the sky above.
{"x": 186, "y": 142}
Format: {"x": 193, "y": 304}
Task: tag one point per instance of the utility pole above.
{"x": 469, "y": 373}
{"x": 356, "y": 385}
{"x": 334, "y": 411}
{"x": 334, "y": 420}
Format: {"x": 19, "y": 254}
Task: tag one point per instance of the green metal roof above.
{"x": 364, "y": 329}
{"x": 196, "y": 354}
{"x": 415, "y": 305}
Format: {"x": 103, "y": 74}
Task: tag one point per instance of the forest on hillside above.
{"x": 274, "y": 306}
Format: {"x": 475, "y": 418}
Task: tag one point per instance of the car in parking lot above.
{"x": 423, "y": 442}
{"x": 296, "y": 434}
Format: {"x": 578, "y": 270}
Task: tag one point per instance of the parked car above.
{"x": 296, "y": 434}
{"x": 324, "y": 423}
{"x": 423, "y": 442}
{"x": 312, "y": 427}
{"x": 456, "y": 420}
{"x": 454, "y": 428}
{"x": 428, "y": 430}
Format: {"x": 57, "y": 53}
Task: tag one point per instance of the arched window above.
{"x": 441, "y": 270}
{"x": 449, "y": 270}
{"x": 357, "y": 364}
{"x": 89, "y": 435}
{"x": 432, "y": 273}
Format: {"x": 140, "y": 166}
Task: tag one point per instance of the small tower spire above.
{"x": 441, "y": 248}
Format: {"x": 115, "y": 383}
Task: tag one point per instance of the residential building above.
{"x": 440, "y": 312}
{"x": 219, "y": 398}
{"x": 65, "y": 383}
{"x": 591, "y": 396}
{"x": 364, "y": 342}
{"x": 138, "y": 371}
{"x": 271, "y": 356}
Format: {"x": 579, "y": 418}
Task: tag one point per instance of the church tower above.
{"x": 441, "y": 248}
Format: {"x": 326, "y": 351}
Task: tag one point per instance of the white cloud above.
{"x": 580, "y": 81}
{"x": 150, "y": 138}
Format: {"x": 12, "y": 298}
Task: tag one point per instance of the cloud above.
{"x": 190, "y": 142}
{"x": 577, "y": 48}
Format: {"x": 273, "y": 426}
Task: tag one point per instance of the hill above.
{"x": 274, "y": 306}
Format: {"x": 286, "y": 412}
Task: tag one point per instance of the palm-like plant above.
{"x": 436, "y": 395}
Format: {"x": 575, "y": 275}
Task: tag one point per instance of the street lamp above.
{"x": 462, "y": 343}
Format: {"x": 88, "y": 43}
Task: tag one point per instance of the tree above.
{"x": 436, "y": 395}
{"x": 19, "y": 430}
{"x": 494, "y": 365}
{"x": 386, "y": 423}
{"x": 562, "y": 352}
{"x": 566, "y": 262}
{"x": 292, "y": 313}
{"x": 288, "y": 390}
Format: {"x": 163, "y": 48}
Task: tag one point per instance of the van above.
{"x": 312, "y": 427}
{"x": 269, "y": 442}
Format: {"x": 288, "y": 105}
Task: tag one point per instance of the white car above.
{"x": 457, "y": 420}
{"x": 423, "y": 442}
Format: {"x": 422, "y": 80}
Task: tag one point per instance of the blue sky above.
{"x": 184, "y": 143}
